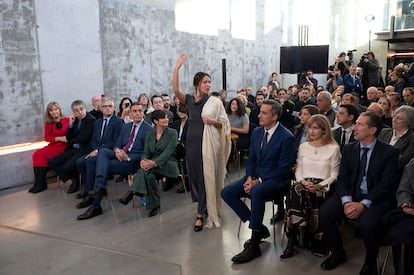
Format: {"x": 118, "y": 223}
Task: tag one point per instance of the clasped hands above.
{"x": 121, "y": 155}
{"x": 353, "y": 210}
{"x": 312, "y": 187}
{"x": 249, "y": 184}
{"x": 147, "y": 164}
{"x": 406, "y": 209}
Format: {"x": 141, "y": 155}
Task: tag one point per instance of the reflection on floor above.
{"x": 39, "y": 234}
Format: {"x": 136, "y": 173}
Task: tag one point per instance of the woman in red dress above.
{"x": 55, "y": 133}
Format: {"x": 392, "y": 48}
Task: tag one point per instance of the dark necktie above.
{"x": 131, "y": 139}
{"x": 264, "y": 141}
{"x": 104, "y": 127}
{"x": 361, "y": 172}
{"x": 343, "y": 140}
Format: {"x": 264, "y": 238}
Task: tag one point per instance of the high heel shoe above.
{"x": 126, "y": 198}
{"x": 153, "y": 212}
{"x": 198, "y": 228}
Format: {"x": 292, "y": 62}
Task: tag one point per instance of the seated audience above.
{"x": 288, "y": 107}
{"x": 408, "y": 95}
{"x": 157, "y": 160}
{"x": 122, "y": 160}
{"x": 144, "y": 100}
{"x": 400, "y": 135}
{"x": 317, "y": 167}
{"x": 55, "y": 133}
{"x": 371, "y": 96}
{"x": 105, "y": 134}
{"x": 386, "y": 107}
{"x": 395, "y": 100}
{"x": 352, "y": 82}
{"x": 239, "y": 121}
{"x": 324, "y": 100}
{"x": 364, "y": 187}
{"x": 304, "y": 99}
{"x": 268, "y": 173}
{"x": 78, "y": 137}
{"x": 124, "y": 108}
{"x": 346, "y": 118}
{"x": 401, "y": 222}
{"x": 181, "y": 126}
{"x": 253, "y": 117}
{"x": 301, "y": 131}
{"x": 96, "y": 111}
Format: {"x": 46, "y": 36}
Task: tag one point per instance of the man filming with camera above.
{"x": 342, "y": 64}
{"x": 370, "y": 67}
{"x": 334, "y": 79}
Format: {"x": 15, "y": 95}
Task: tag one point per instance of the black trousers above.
{"x": 64, "y": 164}
{"x": 369, "y": 225}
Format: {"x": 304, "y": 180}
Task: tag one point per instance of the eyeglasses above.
{"x": 107, "y": 106}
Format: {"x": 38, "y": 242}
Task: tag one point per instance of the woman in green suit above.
{"x": 158, "y": 160}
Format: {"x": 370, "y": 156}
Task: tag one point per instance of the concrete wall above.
{"x": 20, "y": 89}
{"x": 73, "y": 49}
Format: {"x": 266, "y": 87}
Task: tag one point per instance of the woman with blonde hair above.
{"x": 55, "y": 133}
{"x": 317, "y": 168}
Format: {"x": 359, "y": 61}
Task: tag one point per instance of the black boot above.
{"x": 303, "y": 237}
{"x": 40, "y": 180}
{"x": 290, "y": 250}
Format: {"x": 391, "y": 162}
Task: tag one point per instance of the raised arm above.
{"x": 175, "y": 81}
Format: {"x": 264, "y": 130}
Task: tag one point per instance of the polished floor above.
{"x": 39, "y": 234}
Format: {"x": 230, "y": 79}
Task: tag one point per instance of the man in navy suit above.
{"x": 346, "y": 118}
{"x": 78, "y": 138}
{"x": 352, "y": 82}
{"x": 105, "y": 133}
{"x": 364, "y": 193}
{"x": 123, "y": 159}
{"x": 268, "y": 173}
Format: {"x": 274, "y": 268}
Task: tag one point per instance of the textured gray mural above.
{"x": 140, "y": 45}
{"x": 20, "y": 93}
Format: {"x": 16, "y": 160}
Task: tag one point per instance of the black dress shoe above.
{"x": 38, "y": 189}
{"x": 126, "y": 198}
{"x": 334, "y": 260}
{"x": 153, "y": 212}
{"x": 31, "y": 189}
{"x": 279, "y": 216}
{"x": 120, "y": 179}
{"x": 99, "y": 191}
{"x": 369, "y": 269}
{"x": 263, "y": 233}
{"x": 81, "y": 195}
{"x": 90, "y": 213}
{"x": 249, "y": 253}
{"x": 87, "y": 201}
{"x": 73, "y": 187}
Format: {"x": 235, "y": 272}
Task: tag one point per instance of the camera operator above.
{"x": 342, "y": 64}
{"x": 333, "y": 79}
{"x": 370, "y": 68}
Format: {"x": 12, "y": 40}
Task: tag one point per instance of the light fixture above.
{"x": 369, "y": 18}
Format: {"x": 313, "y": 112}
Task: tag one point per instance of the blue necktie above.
{"x": 362, "y": 172}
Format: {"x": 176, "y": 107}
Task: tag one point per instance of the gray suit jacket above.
{"x": 405, "y": 145}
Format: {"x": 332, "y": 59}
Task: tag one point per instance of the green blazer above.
{"x": 162, "y": 152}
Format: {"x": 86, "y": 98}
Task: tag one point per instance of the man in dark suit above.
{"x": 346, "y": 118}
{"x": 352, "y": 82}
{"x": 268, "y": 172}
{"x": 367, "y": 176}
{"x": 105, "y": 133}
{"x": 123, "y": 159}
{"x": 78, "y": 138}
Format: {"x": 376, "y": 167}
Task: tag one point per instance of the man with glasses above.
{"x": 105, "y": 133}
{"x": 78, "y": 138}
